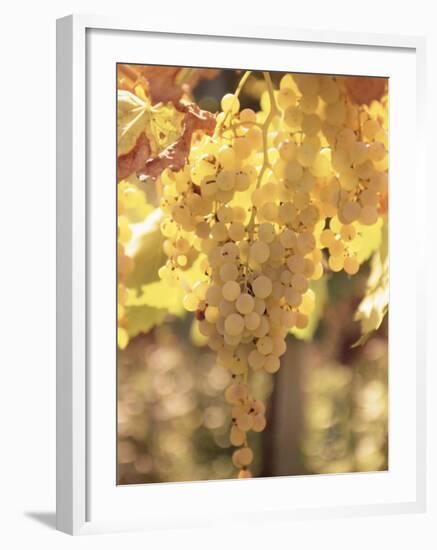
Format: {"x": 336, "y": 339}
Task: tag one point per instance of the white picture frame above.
{"x": 76, "y": 420}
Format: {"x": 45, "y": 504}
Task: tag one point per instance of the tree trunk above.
{"x": 282, "y": 454}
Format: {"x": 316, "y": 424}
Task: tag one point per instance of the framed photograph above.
{"x": 239, "y": 334}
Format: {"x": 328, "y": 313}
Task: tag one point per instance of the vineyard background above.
{"x": 327, "y": 409}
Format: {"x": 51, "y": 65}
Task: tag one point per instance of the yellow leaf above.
{"x": 145, "y": 248}
{"x": 320, "y": 289}
{"x": 159, "y": 295}
{"x": 367, "y": 241}
{"x": 142, "y": 318}
{"x": 197, "y": 338}
{"x": 162, "y": 124}
{"x": 133, "y": 118}
{"x": 374, "y": 306}
{"x": 122, "y": 337}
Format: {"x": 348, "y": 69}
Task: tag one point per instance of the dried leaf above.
{"x": 133, "y": 161}
{"x": 175, "y": 155}
{"x": 143, "y": 130}
{"x": 363, "y": 90}
{"x": 162, "y": 84}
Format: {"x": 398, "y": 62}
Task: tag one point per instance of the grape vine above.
{"x": 266, "y": 203}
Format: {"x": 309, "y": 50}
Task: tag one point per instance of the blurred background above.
{"x": 327, "y": 409}
{"x": 327, "y": 405}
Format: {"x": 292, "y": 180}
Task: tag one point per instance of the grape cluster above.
{"x": 266, "y": 205}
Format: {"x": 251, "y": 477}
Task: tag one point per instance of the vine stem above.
{"x": 240, "y": 86}
{"x": 265, "y": 133}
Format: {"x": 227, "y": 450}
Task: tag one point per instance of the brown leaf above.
{"x": 161, "y": 83}
{"x": 135, "y": 159}
{"x": 363, "y": 90}
{"x": 175, "y": 155}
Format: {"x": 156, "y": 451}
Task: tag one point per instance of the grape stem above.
{"x": 265, "y": 133}
{"x": 236, "y": 94}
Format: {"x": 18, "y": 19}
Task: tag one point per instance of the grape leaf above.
{"x": 196, "y": 337}
{"x": 143, "y": 130}
{"x": 367, "y": 240}
{"x": 175, "y": 155}
{"x": 320, "y": 289}
{"x": 131, "y": 162}
{"x": 142, "y": 318}
{"x": 162, "y": 84}
{"x": 365, "y": 89}
{"x": 146, "y": 250}
{"x": 159, "y": 295}
{"x": 374, "y": 306}
{"x": 122, "y": 337}
{"x": 133, "y": 119}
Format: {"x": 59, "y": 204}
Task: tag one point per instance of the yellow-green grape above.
{"x": 351, "y": 265}
{"x": 309, "y": 103}
{"x": 252, "y": 320}
{"x": 286, "y": 98}
{"x": 368, "y": 215}
{"x": 302, "y": 320}
{"x": 265, "y": 345}
{"x": 266, "y": 233}
{"x": 258, "y": 422}
{"x": 370, "y": 129}
{"x": 236, "y": 231}
{"x": 191, "y": 302}
{"x": 230, "y": 103}
{"x": 262, "y": 287}
{"x": 242, "y": 457}
{"x": 245, "y": 422}
{"x": 245, "y": 304}
{"x": 231, "y": 291}
{"x": 348, "y": 232}
{"x": 349, "y": 212}
{"x": 336, "y": 248}
{"x": 234, "y": 324}
{"x": 248, "y": 115}
{"x": 311, "y": 124}
{"x": 260, "y": 252}
{"x": 236, "y": 393}
{"x": 307, "y": 83}
{"x": 272, "y": 364}
{"x": 237, "y": 437}
{"x": 242, "y": 147}
{"x": 228, "y": 272}
{"x": 293, "y": 117}
{"x": 329, "y": 90}
{"x": 336, "y": 263}
{"x": 335, "y": 113}
{"x": 226, "y": 180}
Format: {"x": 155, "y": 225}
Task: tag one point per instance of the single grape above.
{"x": 245, "y": 303}
{"x": 230, "y": 103}
{"x": 262, "y": 287}
{"x": 234, "y": 324}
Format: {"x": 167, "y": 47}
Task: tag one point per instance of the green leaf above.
{"x": 196, "y": 337}
{"x": 367, "y": 241}
{"x": 142, "y": 318}
{"x": 133, "y": 118}
{"x": 162, "y": 124}
{"x": 159, "y": 295}
{"x": 320, "y": 289}
{"x": 374, "y": 306}
{"x": 145, "y": 248}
